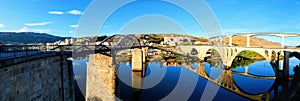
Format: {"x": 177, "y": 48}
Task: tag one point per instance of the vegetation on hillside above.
{"x": 250, "y": 55}
{"x": 241, "y": 63}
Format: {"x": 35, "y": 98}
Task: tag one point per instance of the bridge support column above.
{"x": 248, "y": 41}
{"x": 100, "y": 79}
{"x": 230, "y": 40}
{"x": 137, "y": 60}
{"x": 137, "y": 82}
{"x": 286, "y": 65}
{"x": 270, "y": 55}
{"x": 246, "y": 69}
{"x": 145, "y": 53}
{"x": 136, "y": 77}
{"x": 282, "y": 41}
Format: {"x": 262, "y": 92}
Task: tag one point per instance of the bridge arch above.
{"x": 235, "y": 54}
{"x": 295, "y": 54}
{"x": 134, "y": 40}
{"x": 203, "y": 50}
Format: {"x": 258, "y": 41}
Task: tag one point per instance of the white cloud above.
{"x": 75, "y": 12}
{"x": 38, "y": 24}
{"x": 25, "y": 29}
{"x": 40, "y": 30}
{"x": 56, "y": 12}
{"x": 74, "y": 26}
{"x": 1, "y": 25}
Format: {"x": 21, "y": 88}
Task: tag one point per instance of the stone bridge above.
{"x": 228, "y": 54}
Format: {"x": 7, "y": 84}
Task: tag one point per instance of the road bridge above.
{"x": 249, "y": 35}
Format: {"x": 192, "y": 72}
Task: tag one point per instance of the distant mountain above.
{"x": 28, "y": 38}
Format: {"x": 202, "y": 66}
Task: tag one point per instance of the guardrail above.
{"x": 15, "y": 51}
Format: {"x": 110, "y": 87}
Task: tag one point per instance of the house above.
{"x": 175, "y": 41}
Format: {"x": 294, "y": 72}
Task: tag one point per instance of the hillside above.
{"x": 178, "y": 35}
{"x": 254, "y": 42}
{"x": 27, "y": 38}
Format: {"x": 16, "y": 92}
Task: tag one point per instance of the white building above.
{"x": 174, "y": 41}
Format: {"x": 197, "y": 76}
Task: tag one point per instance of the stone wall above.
{"x": 100, "y": 78}
{"x": 36, "y": 80}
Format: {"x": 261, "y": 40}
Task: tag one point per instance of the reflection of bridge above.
{"x": 226, "y": 81}
{"x": 255, "y": 76}
{"x": 228, "y": 54}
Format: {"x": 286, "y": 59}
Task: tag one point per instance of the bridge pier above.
{"x": 100, "y": 79}
{"x": 270, "y": 55}
{"x": 248, "y": 40}
{"x": 286, "y": 65}
{"x": 138, "y": 73}
{"x": 230, "y": 40}
{"x": 137, "y": 81}
{"x": 145, "y": 53}
{"x": 282, "y": 41}
{"x": 136, "y": 77}
{"x": 138, "y": 58}
{"x": 246, "y": 69}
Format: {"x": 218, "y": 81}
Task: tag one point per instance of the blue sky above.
{"x": 60, "y": 17}
{"x": 38, "y": 16}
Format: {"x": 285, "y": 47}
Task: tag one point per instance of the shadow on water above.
{"x": 78, "y": 94}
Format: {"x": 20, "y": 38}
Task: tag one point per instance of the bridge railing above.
{"x": 14, "y": 51}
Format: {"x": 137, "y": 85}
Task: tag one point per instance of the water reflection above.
{"x": 234, "y": 83}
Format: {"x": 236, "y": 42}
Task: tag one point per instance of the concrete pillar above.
{"x": 248, "y": 41}
{"x": 270, "y": 55}
{"x": 137, "y": 61}
{"x": 246, "y": 69}
{"x": 145, "y": 53}
{"x": 137, "y": 82}
{"x": 282, "y": 41}
{"x": 100, "y": 79}
{"x": 286, "y": 65}
{"x": 230, "y": 40}
{"x": 268, "y": 98}
{"x": 229, "y": 53}
{"x": 136, "y": 77}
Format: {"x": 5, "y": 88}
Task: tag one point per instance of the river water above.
{"x": 179, "y": 82}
